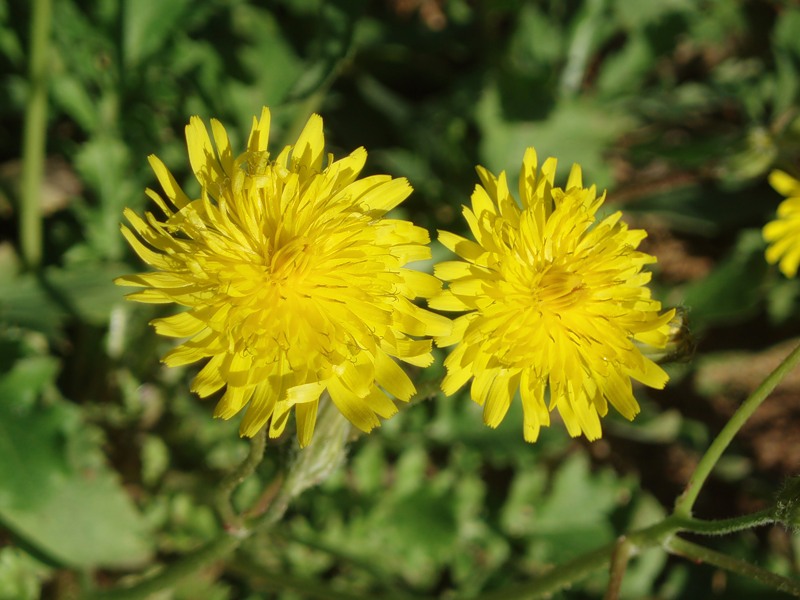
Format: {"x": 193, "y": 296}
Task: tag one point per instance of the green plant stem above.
{"x": 172, "y": 574}
{"x": 685, "y": 502}
{"x": 726, "y": 526}
{"x": 33, "y": 143}
{"x": 230, "y": 518}
{"x": 660, "y": 533}
{"x": 619, "y": 564}
{"x": 558, "y": 578}
{"x": 697, "y": 553}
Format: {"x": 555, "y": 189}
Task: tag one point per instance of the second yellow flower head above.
{"x": 556, "y": 303}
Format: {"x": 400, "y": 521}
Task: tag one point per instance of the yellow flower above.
{"x": 783, "y": 234}
{"x": 556, "y": 300}
{"x": 294, "y": 281}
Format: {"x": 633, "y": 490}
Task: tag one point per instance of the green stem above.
{"x": 726, "y": 526}
{"x": 169, "y": 576}
{"x": 560, "y": 577}
{"x": 573, "y": 571}
{"x": 685, "y": 502}
{"x": 619, "y": 564}
{"x": 33, "y": 143}
{"x": 697, "y": 553}
{"x": 660, "y": 533}
{"x": 230, "y": 518}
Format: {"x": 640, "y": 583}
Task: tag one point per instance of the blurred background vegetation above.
{"x": 680, "y": 108}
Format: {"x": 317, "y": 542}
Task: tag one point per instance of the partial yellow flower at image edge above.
{"x": 783, "y": 234}
{"x": 294, "y": 280}
{"x": 555, "y": 304}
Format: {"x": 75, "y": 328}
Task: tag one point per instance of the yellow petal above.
{"x": 259, "y": 133}
{"x": 308, "y": 151}
{"x": 784, "y": 184}
{"x": 223, "y": 147}
{"x": 179, "y": 325}
{"x": 392, "y": 378}
{"x": 209, "y": 379}
{"x": 352, "y": 407}
{"x": 306, "y": 416}
{"x": 168, "y": 182}
{"x": 232, "y": 402}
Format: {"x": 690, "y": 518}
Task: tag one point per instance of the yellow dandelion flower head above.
{"x": 294, "y": 280}
{"x": 554, "y": 299}
{"x": 783, "y": 234}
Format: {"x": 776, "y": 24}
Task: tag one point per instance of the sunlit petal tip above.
{"x": 575, "y": 179}
{"x": 259, "y": 132}
{"x": 530, "y": 161}
{"x": 783, "y": 183}
{"x": 783, "y": 234}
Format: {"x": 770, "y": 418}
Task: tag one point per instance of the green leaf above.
{"x": 518, "y": 517}
{"x": 21, "y": 575}
{"x": 104, "y": 163}
{"x": 43, "y": 303}
{"x": 785, "y": 33}
{"x": 55, "y": 490}
{"x": 734, "y": 289}
{"x": 10, "y": 46}
{"x": 74, "y": 99}
{"x": 537, "y": 44}
{"x": 782, "y": 299}
{"x": 369, "y": 468}
{"x": 89, "y": 289}
{"x": 703, "y": 210}
{"x": 574, "y": 132}
{"x": 575, "y": 516}
{"x": 625, "y": 70}
{"x": 26, "y": 380}
{"x": 148, "y": 26}
{"x": 261, "y": 42}
{"x": 23, "y": 303}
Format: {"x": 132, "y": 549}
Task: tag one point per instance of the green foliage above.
{"x": 678, "y": 108}
{"x": 57, "y": 493}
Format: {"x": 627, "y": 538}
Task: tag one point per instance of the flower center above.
{"x": 290, "y": 262}
{"x": 559, "y": 290}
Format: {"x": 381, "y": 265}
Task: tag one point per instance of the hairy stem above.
{"x": 726, "y": 526}
{"x": 697, "y": 553}
{"x": 230, "y": 518}
{"x": 619, "y": 564}
{"x": 617, "y": 554}
{"x": 685, "y": 502}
